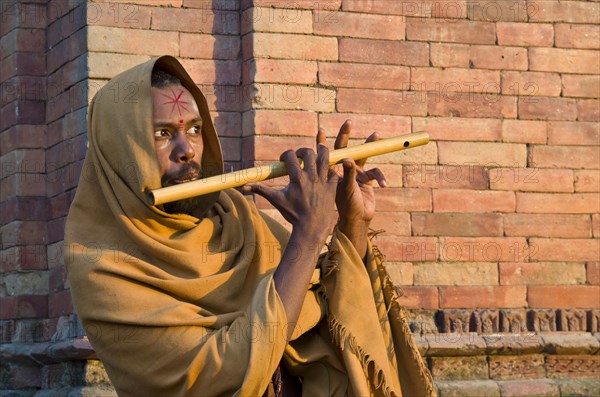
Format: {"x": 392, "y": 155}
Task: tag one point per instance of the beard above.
{"x": 190, "y": 172}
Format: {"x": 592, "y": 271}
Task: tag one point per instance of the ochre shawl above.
{"x": 177, "y": 306}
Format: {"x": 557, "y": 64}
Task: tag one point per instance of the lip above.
{"x": 178, "y": 181}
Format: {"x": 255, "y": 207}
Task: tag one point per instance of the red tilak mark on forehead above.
{"x": 181, "y": 124}
{"x": 176, "y": 101}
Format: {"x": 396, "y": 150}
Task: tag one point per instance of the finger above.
{"x": 372, "y": 138}
{"x": 342, "y": 139}
{"x": 292, "y": 164}
{"x": 377, "y": 175}
{"x": 322, "y": 161}
{"x": 348, "y": 181}
{"x": 308, "y": 157}
{"x": 321, "y": 137}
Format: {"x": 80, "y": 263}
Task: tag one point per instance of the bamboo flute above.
{"x": 256, "y": 174}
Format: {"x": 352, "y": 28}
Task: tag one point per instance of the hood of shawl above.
{"x": 120, "y": 128}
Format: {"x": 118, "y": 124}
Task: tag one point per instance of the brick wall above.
{"x": 498, "y": 214}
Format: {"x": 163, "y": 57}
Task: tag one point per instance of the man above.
{"x": 208, "y": 296}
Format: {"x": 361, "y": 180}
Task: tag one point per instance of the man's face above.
{"x": 178, "y": 140}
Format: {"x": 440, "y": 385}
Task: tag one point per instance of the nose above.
{"x": 184, "y": 152}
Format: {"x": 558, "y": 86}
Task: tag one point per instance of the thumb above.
{"x": 261, "y": 189}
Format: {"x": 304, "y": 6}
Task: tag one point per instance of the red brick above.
{"x": 293, "y": 97}
{"x": 502, "y": 58}
{"x": 587, "y": 180}
{"x": 452, "y": 224}
{"x": 23, "y": 306}
{"x": 55, "y": 229}
{"x": 349, "y": 24}
{"x": 524, "y": 131}
{"x": 460, "y": 200}
{"x": 424, "y": 8}
{"x": 563, "y": 60}
{"x": 364, "y": 125}
{"x": 459, "y": 129}
{"x": 593, "y": 273}
{"x": 483, "y": 297}
{"x": 450, "y": 55}
{"x": 542, "y": 273}
{"x": 401, "y": 273}
{"x": 23, "y": 40}
{"x": 558, "y": 203}
{"x": 419, "y": 297}
{"x": 280, "y": 123}
{"x": 552, "y": 297}
{"x": 23, "y": 161}
{"x": 455, "y": 273}
{"x": 404, "y": 200}
{"x": 381, "y": 102}
{"x": 392, "y": 172}
{"x": 588, "y": 110}
{"x": 564, "y": 156}
{"x": 23, "y": 137}
{"x": 23, "y": 209}
{"x": 494, "y": 11}
{"x": 23, "y": 64}
{"x": 408, "y": 249}
{"x": 384, "y": 52}
{"x": 464, "y": 104}
{"x": 393, "y": 223}
{"x": 60, "y": 304}
{"x": 57, "y": 279}
{"x": 29, "y": 257}
{"x": 531, "y": 83}
{"x": 22, "y": 185}
{"x": 331, "y": 5}
{"x": 547, "y": 108}
{"x": 213, "y": 72}
{"x": 290, "y": 46}
{"x": 269, "y": 148}
{"x": 585, "y": 86}
{"x": 490, "y": 154}
{"x": 279, "y": 71}
{"x": 267, "y": 19}
{"x": 596, "y": 225}
{"x": 25, "y": 377}
{"x": 23, "y": 233}
{"x": 572, "y": 250}
{"x": 577, "y": 36}
{"x": 546, "y": 225}
{"x": 564, "y": 11}
{"x": 228, "y": 124}
{"x": 525, "y": 34}
{"x": 456, "y": 31}
{"x": 573, "y": 133}
{"x": 530, "y": 387}
{"x": 207, "y": 46}
{"x": 119, "y": 15}
{"x": 445, "y": 176}
{"x": 209, "y": 5}
{"x": 63, "y": 179}
{"x": 483, "y": 249}
{"x": 357, "y": 75}
{"x": 454, "y": 80}
{"x": 531, "y": 179}
{"x": 194, "y": 20}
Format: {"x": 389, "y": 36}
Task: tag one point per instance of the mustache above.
{"x": 189, "y": 172}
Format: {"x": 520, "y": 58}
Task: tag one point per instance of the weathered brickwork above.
{"x": 493, "y": 227}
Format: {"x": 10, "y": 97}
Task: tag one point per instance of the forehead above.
{"x": 173, "y": 101}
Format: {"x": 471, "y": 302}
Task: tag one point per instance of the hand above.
{"x": 355, "y": 197}
{"x": 307, "y": 202}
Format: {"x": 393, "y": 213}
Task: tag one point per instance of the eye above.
{"x": 161, "y": 134}
{"x": 195, "y": 130}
